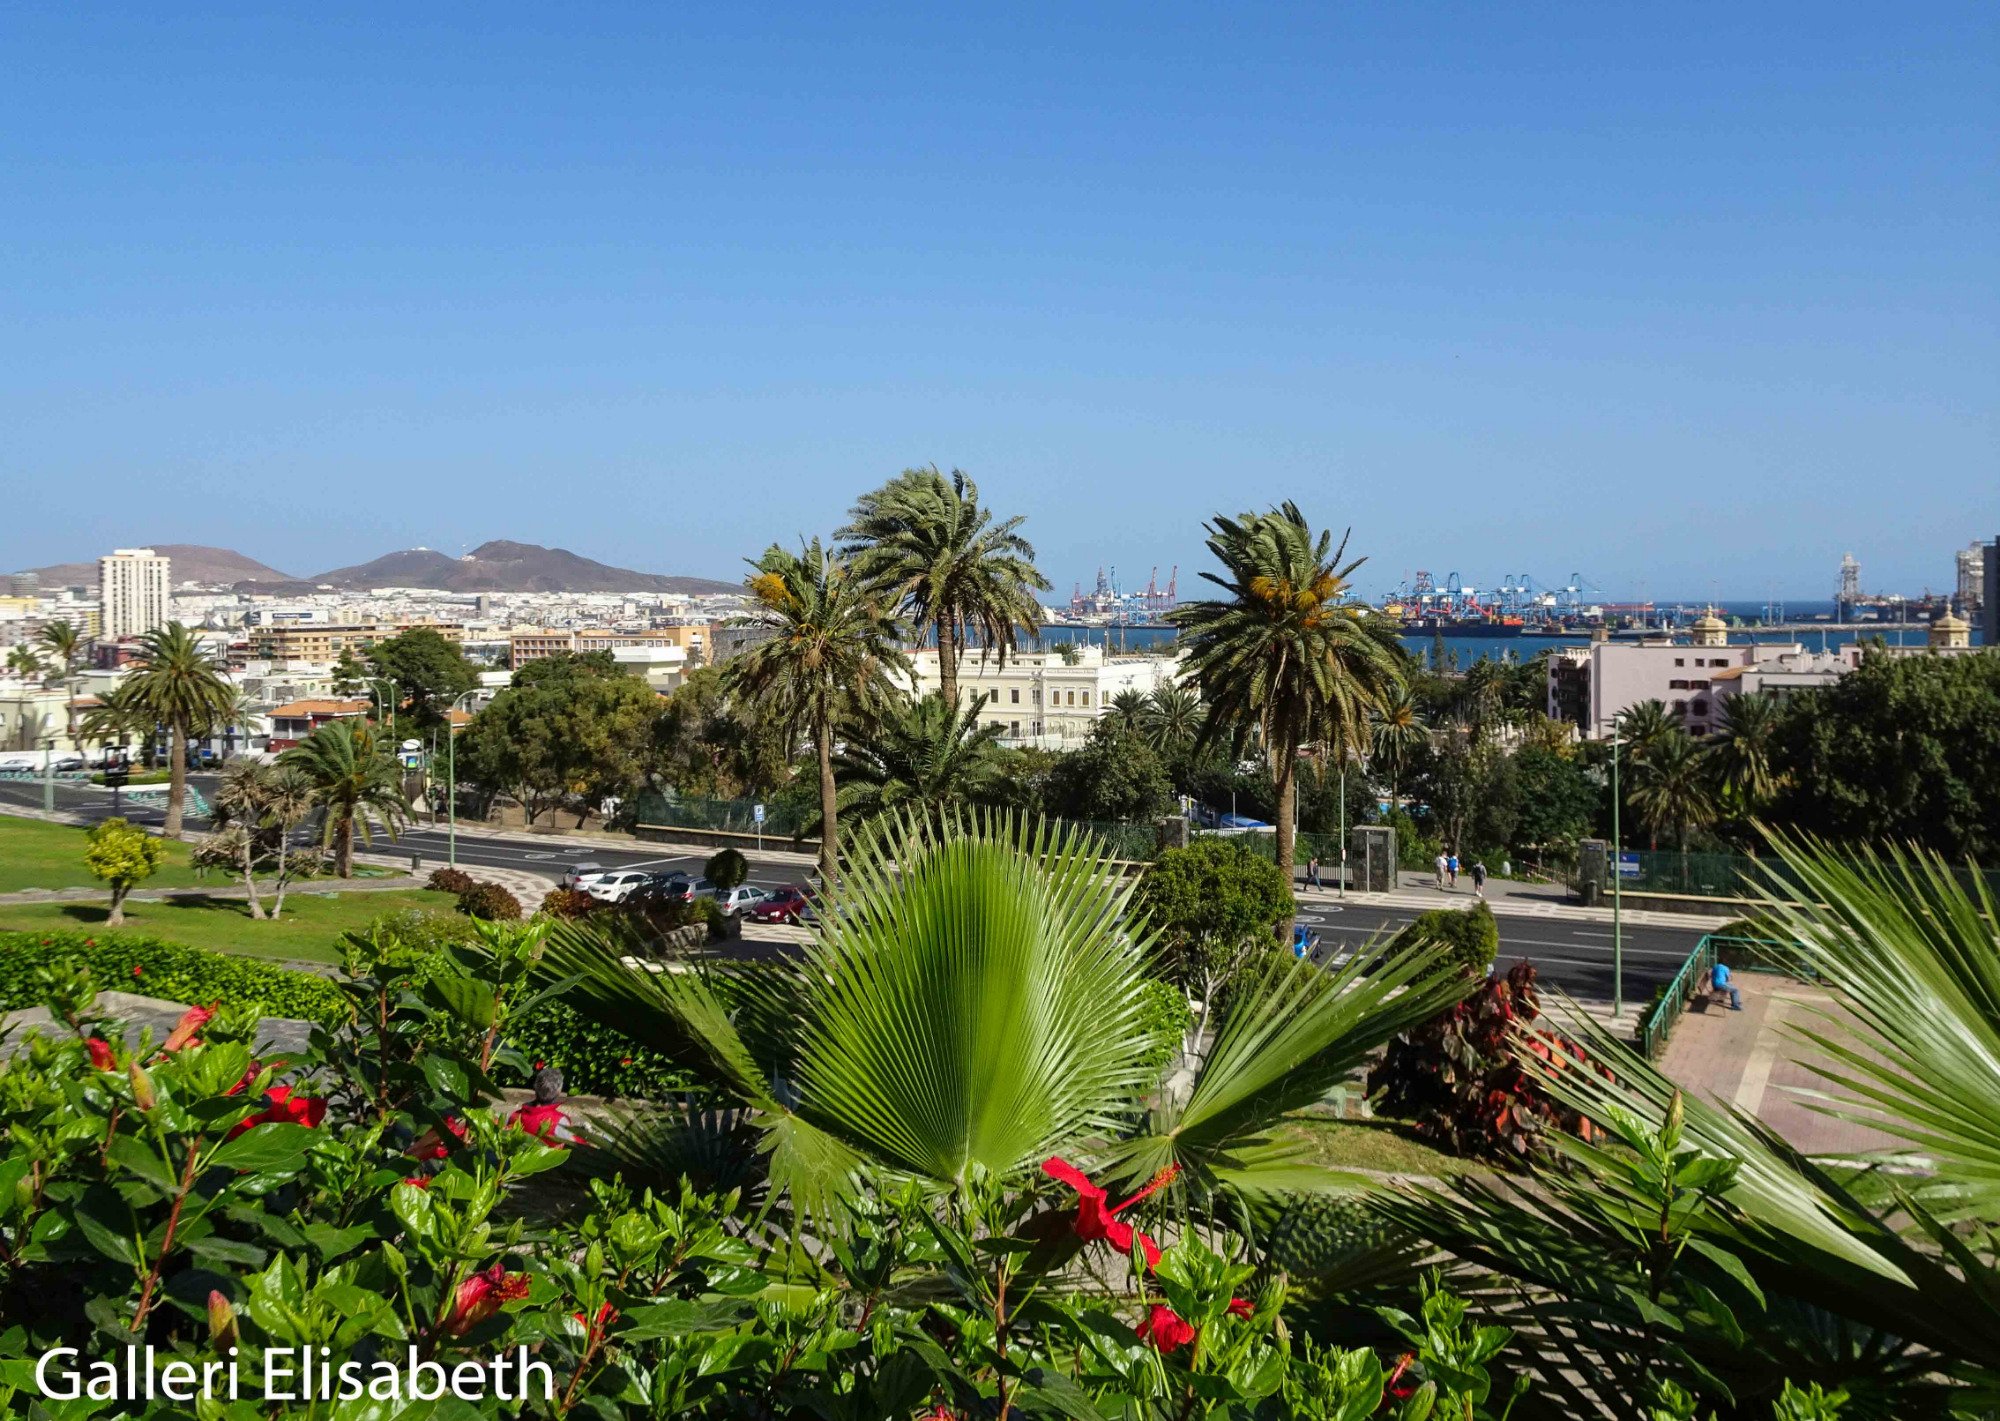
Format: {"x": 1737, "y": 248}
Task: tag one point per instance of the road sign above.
{"x": 1628, "y": 865}
{"x": 757, "y": 812}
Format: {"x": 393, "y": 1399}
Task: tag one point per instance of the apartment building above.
{"x": 525, "y": 644}
{"x": 134, "y": 590}
{"x": 316, "y": 641}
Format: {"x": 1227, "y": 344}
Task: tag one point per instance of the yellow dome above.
{"x": 1710, "y": 623}
{"x": 1952, "y": 622}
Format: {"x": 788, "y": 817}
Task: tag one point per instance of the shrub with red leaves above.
{"x": 1455, "y": 1078}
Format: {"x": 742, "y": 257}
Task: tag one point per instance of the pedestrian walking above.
{"x": 1479, "y": 878}
{"x": 1312, "y": 872}
{"x": 1451, "y": 871}
{"x": 1442, "y": 863}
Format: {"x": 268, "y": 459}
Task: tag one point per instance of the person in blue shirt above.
{"x": 1720, "y": 981}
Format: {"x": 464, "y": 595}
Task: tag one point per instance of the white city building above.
{"x": 1038, "y": 698}
{"x": 134, "y": 590}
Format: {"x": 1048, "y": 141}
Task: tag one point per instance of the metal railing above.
{"x": 1658, "y": 1023}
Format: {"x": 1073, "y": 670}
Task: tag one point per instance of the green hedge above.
{"x": 139, "y": 962}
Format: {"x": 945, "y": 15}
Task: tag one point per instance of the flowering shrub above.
{"x": 449, "y": 880}
{"x": 490, "y": 902}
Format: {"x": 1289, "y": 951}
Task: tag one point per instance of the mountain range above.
{"x": 497, "y": 566}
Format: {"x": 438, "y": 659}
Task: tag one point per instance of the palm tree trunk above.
{"x": 1286, "y": 775}
{"x": 177, "y": 782}
{"x": 829, "y": 827}
{"x": 947, "y": 645}
{"x": 343, "y": 844}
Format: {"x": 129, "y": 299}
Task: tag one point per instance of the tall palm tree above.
{"x": 1742, "y": 748}
{"x": 116, "y": 719}
{"x": 919, "y": 757}
{"x": 183, "y": 688}
{"x": 1170, "y": 720}
{"x": 924, "y": 540}
{"x": 1280, "y": 656}
{"x": 25, "y": 663}
{"x": 1671, "y": 789}
{"x": 354, "y": 779}
{"x": 1479, "y": 698}
{"x": 835, "y": 640}
{"x": 1398, "y": 734}
{"x": 66, "y": 645}
{"x": 972, "y": 1006}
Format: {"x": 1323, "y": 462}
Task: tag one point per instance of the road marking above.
{"x": 1593, "y": 932}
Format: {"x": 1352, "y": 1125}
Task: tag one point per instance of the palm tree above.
{"x": 1170, "y": 721}
{"x": 1672, "y": 791}
{"x": 972, "y": 1006}
{"x": 66, "y": 644}
{"x": 1478, "y": 698}
{"x": 1398, "y": 735}
{"x": 1280, "y": 657}
{"x": 924, "y": 541}
{"x": 23, "y": 662}
{"x": 180, "y": 686}
{"x": 834, "y": 643}
{"x": 1644, "y": 724}
{"x": 919, "y": 757}
{"x": 354, "y": 779}
{"x": 1741, "y": 749}
{"x": 1127, "y": 707}
{"x": 257, "y": 805}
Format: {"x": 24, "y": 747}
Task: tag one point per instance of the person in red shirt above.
{"x": 545, "y": 1117}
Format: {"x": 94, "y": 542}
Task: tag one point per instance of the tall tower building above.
{"x": 132, "y": 586}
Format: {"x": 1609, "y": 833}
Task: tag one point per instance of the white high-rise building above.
{"x": 133, "y": 587}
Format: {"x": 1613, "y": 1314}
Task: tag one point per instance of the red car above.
{"x": 785, "y": 905}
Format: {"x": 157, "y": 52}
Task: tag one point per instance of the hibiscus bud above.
{"x": 221, "y": 1322}
{"x": 1675, "y": 1112}
{"x": 100, "y": 1053}
{"x": 192, "y": 1020}
{"x": 142, "y": 1086}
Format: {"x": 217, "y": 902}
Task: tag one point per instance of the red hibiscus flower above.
{"x": 606, "y": 1315}
{"x": 1241, "y": 1307}
{"x": 432, "y": 1145}
{"x": 284, "y": 1109}
{"x": 417, "y": 1181}
{"x": 538, "y": 1120}
{"x": 100, "y": 1054}
{"x": 243, "y": 1083}
{"x": 481, "y": 1295}
{"x": 1396, "y": 1389}
{"x": 137, "y": 970}
{"x": 1164, "y": 1329}
{"x": 183, "y": 1034}
{"x": 1094, "y": 1220}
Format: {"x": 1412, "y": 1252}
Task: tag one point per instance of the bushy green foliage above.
{"x": 727, "y": 868}
{"x": 1208, "y": 902}
{"x": 1470, "y": 933}
{"x": 567, "y": 903}
{"x": 122, "y": 855}
{"x": 490, "y": 902}
{"x": 141, "y": 963}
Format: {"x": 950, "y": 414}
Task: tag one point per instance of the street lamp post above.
{"x": 1617, "y": 890}
{"x": 451, "y": 782}
{"x": 374, "y": 681}
{"x": 1343, "y": 820}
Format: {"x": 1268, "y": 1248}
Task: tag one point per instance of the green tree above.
{"x": 257, "y": 805}
{"x": 350, "y": 674}
{"x": 1671, "y": 789}
{"x": 24, "y": 661}
{"x": 1468, "y": 937}
{"x": 571, "y": 735}
{"x": 1214, "y": 904}
{"x": 834, "y": 643}
{"x": 1281, "y": 657}
{"x": 176, "y": 684}
{"x": 65, "y": 646}
{"x": 430, "y": 673}
{"x": 124, "y": 856}
{"x": 1170, "y": 721}
{"x": 918, "y": 756}
{"x": 1128, "y": 706}
{"x": 1397, "y": 735}
{"x": 1557, "y": 803}
{"x": 354, "y": 779}
{"x": 1115, "y": 776}
{"x": 726, "y": 869}
{"x": 567, "y": 666}
{"x": 925, "y": 543}
{"x": 1904, "y": 749}
{"x": 1644, "y": 725}
{"x": 712, "y": 742}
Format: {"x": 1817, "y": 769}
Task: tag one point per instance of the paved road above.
{"x": 1577, "y": 956}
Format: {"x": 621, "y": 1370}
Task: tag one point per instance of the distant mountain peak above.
{"x": 503, "y": 565}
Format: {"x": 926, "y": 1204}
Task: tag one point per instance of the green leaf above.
{"x": 266, "y": 1148}
{"x": 227, "y": 1250}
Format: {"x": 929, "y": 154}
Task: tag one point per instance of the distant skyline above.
{"x": 1689, "y": 302}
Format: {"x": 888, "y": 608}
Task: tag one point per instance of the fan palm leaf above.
{"x": 920, "y": 755}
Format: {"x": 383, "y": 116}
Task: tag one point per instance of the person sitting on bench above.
{"x": 1719, "y": 982}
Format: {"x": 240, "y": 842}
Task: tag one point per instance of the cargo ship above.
{"x": 1476, "y": 626}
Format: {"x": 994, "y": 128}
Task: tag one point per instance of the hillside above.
{"x": 502, "y": 566}
{"x": 191, "y": 563}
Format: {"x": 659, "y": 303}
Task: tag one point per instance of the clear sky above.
{"x": 1690, "y": 299}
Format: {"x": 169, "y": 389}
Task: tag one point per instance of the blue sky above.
{"x": 1691, "y": 300}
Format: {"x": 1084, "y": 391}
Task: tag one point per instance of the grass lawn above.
{"x": 309, "y": 930}
{"x": 38, "y": 854}
{"x": 1372, "y": 1144}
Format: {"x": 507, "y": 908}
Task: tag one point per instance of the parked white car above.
{"x": 581, "y": 875}
{"x": 617, "y": 885}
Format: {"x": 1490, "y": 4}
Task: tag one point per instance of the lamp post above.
{"x": 373, "y": 681}
{"x": 1617, "y": 889}
{"x": 451, "y": 782}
